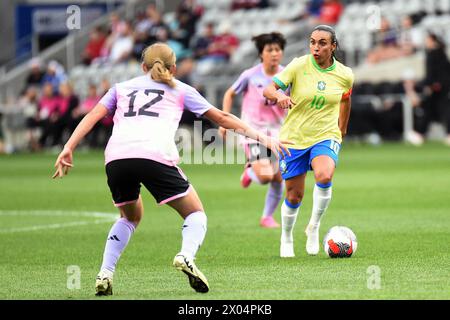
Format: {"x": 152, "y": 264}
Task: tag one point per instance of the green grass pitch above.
{"x": 396, "y": 199}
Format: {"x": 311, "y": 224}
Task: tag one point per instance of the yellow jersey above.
{"x": 317, "y": 94}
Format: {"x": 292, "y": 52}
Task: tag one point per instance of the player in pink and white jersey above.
{"x": 264, "y": 115}
{"x": 142, "y": 150}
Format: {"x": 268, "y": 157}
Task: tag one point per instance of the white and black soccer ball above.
{"x": 340, "y": 242}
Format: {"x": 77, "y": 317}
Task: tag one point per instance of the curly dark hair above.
{"x": 269, "y": 38}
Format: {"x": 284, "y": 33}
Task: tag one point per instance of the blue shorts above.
{"x": 300, "y": 160}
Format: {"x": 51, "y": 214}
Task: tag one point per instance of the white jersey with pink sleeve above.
{"x": 257, "y": 111}
{"x": 146, "y": 118}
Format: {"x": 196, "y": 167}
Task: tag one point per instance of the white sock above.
{"x": 288, "y": 217}
{"x": 193, "y": 233}
{"x": 321, "y": 200}
{"x": 117, "y": 240}
{"x": 253, "y": 175}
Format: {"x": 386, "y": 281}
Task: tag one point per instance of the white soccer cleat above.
{"x": 312, "y": 241}
{"x": 197, "y": 279}
{"x": 287, "y": 249}
{"x": 103, "y": 283}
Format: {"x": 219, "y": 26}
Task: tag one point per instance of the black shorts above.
{"x": 165, "y": 183}
{"x": 256, "y": 151}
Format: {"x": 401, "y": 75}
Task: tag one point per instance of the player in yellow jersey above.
{"x": 319, "y": 110}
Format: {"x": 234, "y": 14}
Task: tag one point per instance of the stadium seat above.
{"x": 245, "y": 50}
{"x": 443, "y": 5}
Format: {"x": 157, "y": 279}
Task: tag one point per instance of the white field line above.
{"x": 104, "y": 218}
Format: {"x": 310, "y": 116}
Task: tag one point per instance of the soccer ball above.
{"x": 340, "y": 242}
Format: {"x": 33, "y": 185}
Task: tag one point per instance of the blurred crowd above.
{"x": 48, "y": 109}
{"x": 390, "y": 42}
{"x": 429, "y": 97}
{"x": 321, "y": 12}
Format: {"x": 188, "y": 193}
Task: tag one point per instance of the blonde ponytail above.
{"x": 159, "y": 59}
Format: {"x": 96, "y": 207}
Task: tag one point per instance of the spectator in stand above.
{"x": 176, "y": 46}
{"x": 91, "y": 100}
{"x": 122, "y": 45}
{"x": 48, "y": 115}
{"x": 158, "y": 27}
{"x": 146, "y": 22}
{"x": 148, "y": 30}
{"x": 187, "y": 14}
{"x": 249, "y": 4}
{"x": 87, "y": 105}
{"x": 437, "y": 82}
{"x": 385, "y": 43}
{"x": 68, "y": 103}
{"x": 29, "y": 104}
{"x": 184, "y": 60}
{"x": 312, "y": 13}
{"x": 330, "y": 12}
{"x": 183, "y": 28}
{"x": 224, "y": 44}
{"x": 202, "y": 43}
{"x": 36, "y": 73}
{"x": 142, "y": 30}
{"x": 55, "y": 75}
{"x": 141, "y": 41}
{"x": 192, "y": 7}
{"x": 410, "y": 37}
{"x": 313, "y": 8}
{"x": 94, "y": 46}
{"x": 219, "y": 50}
{"x": 114, "y": 23}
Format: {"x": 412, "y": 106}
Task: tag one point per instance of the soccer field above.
{"x": 395, "y": 198}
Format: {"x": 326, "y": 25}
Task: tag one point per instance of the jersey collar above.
{"x": 330, "y": 68}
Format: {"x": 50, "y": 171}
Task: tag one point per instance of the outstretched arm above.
{"x": 229, "y": 121}
{"x": 64, "y": 161}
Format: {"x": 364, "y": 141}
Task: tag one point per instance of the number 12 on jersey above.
{"x": 143, "y": 110}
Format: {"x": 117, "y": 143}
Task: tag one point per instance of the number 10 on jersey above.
{"x": 318, "y": 102}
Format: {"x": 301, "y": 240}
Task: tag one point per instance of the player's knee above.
{"x": 323, "y": 176}
{"x": 295, "y": 196}
{"x": 294, "y": 199}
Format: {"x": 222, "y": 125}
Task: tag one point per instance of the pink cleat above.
{"x": 245, "y": 179}
{"x": 269, "y": 222}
